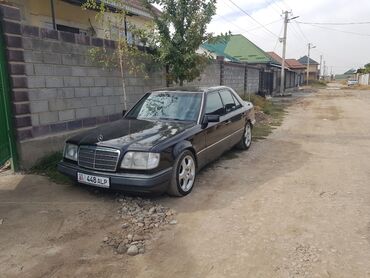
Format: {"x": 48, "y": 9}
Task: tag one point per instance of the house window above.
{"x": 68, "y": 29}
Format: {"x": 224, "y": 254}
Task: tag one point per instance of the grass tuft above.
{"x": 275, "y": 114}
{"x": 47, "y": 166}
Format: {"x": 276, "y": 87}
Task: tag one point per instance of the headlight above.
{"x": 140, "y": 160}
{"x": 70, "y": 151}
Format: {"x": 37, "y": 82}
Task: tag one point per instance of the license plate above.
{"x": 93, "y": 180}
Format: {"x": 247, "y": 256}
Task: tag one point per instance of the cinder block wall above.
{"x": 234, "y": 76}
{"x": 66, "y": 90}
{"x": 253, "y": 79}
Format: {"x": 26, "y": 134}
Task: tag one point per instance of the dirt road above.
{"x": 295, "y": 205}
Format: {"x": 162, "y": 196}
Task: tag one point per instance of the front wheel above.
{"x": 246, "y": 140}
{"x": 183, "y": 176}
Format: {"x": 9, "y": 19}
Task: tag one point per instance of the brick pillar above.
{"x": 10, "y": 19}
{"x": 245, "y": 79}
{"x": 221, "y": 60}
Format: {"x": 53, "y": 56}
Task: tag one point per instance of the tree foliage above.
{"x": 181, "y": 28}
{"x": 125, "y": 56}
{"x": 365, "y": 69}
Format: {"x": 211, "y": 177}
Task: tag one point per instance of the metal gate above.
{"x": 266, "y": 85}
{"x": 7, "y": 146}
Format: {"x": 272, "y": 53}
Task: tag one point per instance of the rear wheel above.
{"x": 246, "y": 140}
{"x": 183, "y": 176}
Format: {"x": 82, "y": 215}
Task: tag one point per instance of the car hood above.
{"x": 130, "y": 134}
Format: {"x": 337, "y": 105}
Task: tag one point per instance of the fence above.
{"x": 364, "y": 79}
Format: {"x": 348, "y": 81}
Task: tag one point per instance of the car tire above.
{"x": 183, "y": 175}
{"x": 246, "y": 140}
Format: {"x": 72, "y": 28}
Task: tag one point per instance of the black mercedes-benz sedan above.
{"x": 162, "y": 142}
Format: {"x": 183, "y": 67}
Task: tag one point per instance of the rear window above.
{"x": 228, "y": 100}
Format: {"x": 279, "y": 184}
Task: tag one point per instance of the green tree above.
{"x": 126, "y": 57}
{"x": 181, "y": 27}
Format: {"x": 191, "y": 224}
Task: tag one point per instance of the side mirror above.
{"x": 213, "y": 118}
{"x": 210, "y": 119}
{"x": 124, "y": 113}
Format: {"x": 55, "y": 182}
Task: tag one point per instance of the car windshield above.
{"x": 179, "y": 106}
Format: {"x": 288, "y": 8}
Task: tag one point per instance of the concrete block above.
{"x": 66, "y": 93}
{"x": 51, "y": 58}
{"x": 35, "y": 121}
{"x": 108, "y": 91}
{"x": 89, "y": 101}
{"x": 44, "y": 69}
{"x": 27, "y": 43}
{"x": 59, "y": 104}
{"x": 54, "y": 82}
{"x": 48, "y": 117}
{"x": 87, "y": 81}
{"x": 82, "y": 113}
{"x": 36, "y": 81}
{"x": 29, "y": 69}
{"x": 67, "y": 115}
{"x": 96, "y": 91}
{"x": 48, "y": 94}
{"x": 32, "y": 56}
{"x": 82, "y": 92}
{"x": 102, "y": 100}
{"x": 71, "y": 81}
{"x": 62, "y": 70}
{"x": 79, "y": 71}
{"x": 39, "y": 106}
{"x": 100, "y": 81}
{"x": 97, "y": 111}
{"x": 109, "y": 109}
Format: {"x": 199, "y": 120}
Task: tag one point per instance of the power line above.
{"x": 334, "y": 23}
{"x": 237, "y": 26}
{"x": 342, "y": 31}
{"x": 253, "y": 18}
{"x": 278, "y": 40}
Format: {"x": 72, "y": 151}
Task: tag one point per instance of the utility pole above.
{"x": 310, "y": 46}
{"x": 320, "y": 66}
{"x": 324, "y": 74}
{"x": 286, "y": 21}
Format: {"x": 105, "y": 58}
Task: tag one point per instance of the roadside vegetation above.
{"x": 318, "y": 83}
{"x": 47, "y": 166}
{"x": 269, "y": 115}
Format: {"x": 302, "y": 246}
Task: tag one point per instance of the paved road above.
{"x": 295, "y": 205}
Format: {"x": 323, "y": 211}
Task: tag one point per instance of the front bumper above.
{"x": 156, "y": 183}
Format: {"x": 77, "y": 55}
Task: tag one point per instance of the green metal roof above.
{"x": 239, "y": 49}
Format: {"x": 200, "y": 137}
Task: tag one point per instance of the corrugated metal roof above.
{"x": 277, "y": 58}
{"x": 294, "y": 64}
{"x": 303, "y": 60}
{"x": 239, "y": 49}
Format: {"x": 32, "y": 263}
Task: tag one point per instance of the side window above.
{"x": 228, "y": 100}
{"x": 214, "y": 104}
{"x": 237, "y": 102}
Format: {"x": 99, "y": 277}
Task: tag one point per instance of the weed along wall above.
{"x": 57, "y": 90}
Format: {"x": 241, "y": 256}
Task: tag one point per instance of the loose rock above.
{"x": 133, "y": 250}
{"x": 121, "y": 249}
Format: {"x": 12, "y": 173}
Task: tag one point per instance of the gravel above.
{"x": 139, "y": 221}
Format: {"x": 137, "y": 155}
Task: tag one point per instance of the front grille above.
{"x": 98, "y": 158}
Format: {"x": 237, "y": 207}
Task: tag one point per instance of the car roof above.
{"x": 192, "y": 89}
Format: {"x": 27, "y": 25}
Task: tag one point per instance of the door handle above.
{"x": 227, "y": 122}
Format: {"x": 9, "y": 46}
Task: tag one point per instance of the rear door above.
{"x": 233, "y": 120}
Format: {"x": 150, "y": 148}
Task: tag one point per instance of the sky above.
{"x": 341, "y": 51}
